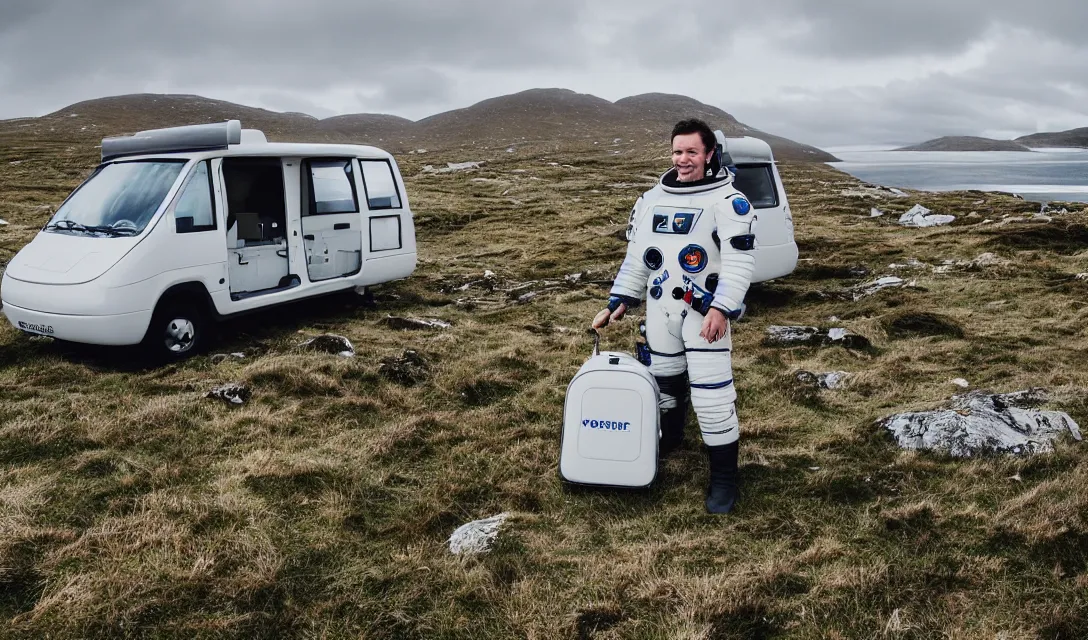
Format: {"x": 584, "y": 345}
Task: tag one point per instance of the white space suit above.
{"x": 689, "y": 249}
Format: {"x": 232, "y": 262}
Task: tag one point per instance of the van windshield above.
{"x": 756, "y": 182}
{"x": 118, "y": 200}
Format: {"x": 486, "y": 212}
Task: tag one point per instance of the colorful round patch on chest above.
{"x": 741, "y": 206}
{"x": 693, "y": 258}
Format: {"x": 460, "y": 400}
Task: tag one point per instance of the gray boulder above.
{"x": 795, "y": 336}
{"x": 791, "y": 335}
{"x": 980, "y": 422}
{"x": 826, "y": 380}
{"x": 919, "y": 216}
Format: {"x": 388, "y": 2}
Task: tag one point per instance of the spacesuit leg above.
{"x": 710, "y": 371}
{"x": 669, "y": 367}
{"x": 714, "y": 396}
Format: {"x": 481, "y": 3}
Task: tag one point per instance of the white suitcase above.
{"x": 610, "y": 423}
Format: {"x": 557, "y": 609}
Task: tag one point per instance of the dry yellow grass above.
{"x": 131, "y": 506}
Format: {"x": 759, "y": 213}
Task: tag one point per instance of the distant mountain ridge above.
{"x": 966, "y": 143}
{"x": 1071, "y": 138}
{"x": 536, "y": 115}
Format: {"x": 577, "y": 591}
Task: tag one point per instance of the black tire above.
{"x": 179, "y": 329}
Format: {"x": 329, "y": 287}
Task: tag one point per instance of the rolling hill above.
{"x": 536, "y": 115}
{"x": 1071, "y": 138}
{"x": 966, "y": 143}
{"x": 136, "y": 112}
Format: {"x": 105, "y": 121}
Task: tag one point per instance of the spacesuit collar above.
{"x": 670, "y": 184}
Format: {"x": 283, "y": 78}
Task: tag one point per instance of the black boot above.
{"x": 722, "y": 494}
{"x": 672, "y": 420}
{"x": 672, "y": 428}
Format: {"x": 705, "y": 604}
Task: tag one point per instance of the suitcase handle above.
{"x": 596, "y": 341}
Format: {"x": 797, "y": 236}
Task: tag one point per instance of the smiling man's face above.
{"x": 689, "y": 156}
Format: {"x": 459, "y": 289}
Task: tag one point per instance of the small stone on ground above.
{"x": 330, "y": 343}
{"x": 397, "y": 322}
{"x": 476, "y": 536}
{"x": 232, "y": 392}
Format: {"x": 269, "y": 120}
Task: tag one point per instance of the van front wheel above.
{"x": 177, "y": 331}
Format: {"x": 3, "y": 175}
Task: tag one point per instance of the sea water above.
{"x": 1042, "y": 175}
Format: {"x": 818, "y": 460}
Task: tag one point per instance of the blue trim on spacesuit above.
{"x": 615, "y": 300}
{"x": 714, "y": 385}
{"x": 718, "y": 433}
{"x": 707, "y": 350}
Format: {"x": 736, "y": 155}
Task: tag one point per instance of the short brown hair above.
{"x": 694, "y": 125}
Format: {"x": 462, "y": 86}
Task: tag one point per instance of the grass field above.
{"x": 132, "y": 506}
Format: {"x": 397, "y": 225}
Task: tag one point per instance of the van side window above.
{"x": 332, "y": 187}
{"x": 380, "y": 186}
{"x": 756, "y": 182}
{"x": 195, "y": 210}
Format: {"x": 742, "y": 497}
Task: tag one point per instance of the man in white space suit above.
{"x": 689, "y": 255}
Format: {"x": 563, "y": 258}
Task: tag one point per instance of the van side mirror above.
{"x": 183, "y": 225}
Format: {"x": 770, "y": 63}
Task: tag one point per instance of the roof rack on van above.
{"x": 196, "y": 137}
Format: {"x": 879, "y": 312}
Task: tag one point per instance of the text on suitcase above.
{"x": 607, "y": 425}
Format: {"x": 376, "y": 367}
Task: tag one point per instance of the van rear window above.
{"x": 380, "y": 186}
{"x": 756, "y": 182}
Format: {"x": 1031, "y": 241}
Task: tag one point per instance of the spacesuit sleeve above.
{"x": 630, "y": 283}
{"x": 738, "y": 258}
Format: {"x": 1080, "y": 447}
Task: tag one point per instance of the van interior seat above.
{"x": 249, "y": 226}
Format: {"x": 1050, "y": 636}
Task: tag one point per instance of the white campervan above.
{"x": 179, "y": 227}
{"x": 756, "y": 176}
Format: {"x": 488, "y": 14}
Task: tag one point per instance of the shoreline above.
{"x": 1051, "y": 175}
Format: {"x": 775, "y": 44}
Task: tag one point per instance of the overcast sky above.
{"x": 825, "y": 72}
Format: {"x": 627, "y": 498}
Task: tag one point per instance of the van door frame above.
{"x": 241, "y": 301}
{"x": 292, "y": 189}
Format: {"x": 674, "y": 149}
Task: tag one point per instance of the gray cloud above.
{"x": 275, "y": 41}
{"x": 343, "y": 35}
{"x": 839, "y": 28}
{"x": 829, "y": 72}
{"x": 847, "y": 28}
{"x": 419, "y": 86}
{"x": 1015, "y": 92}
